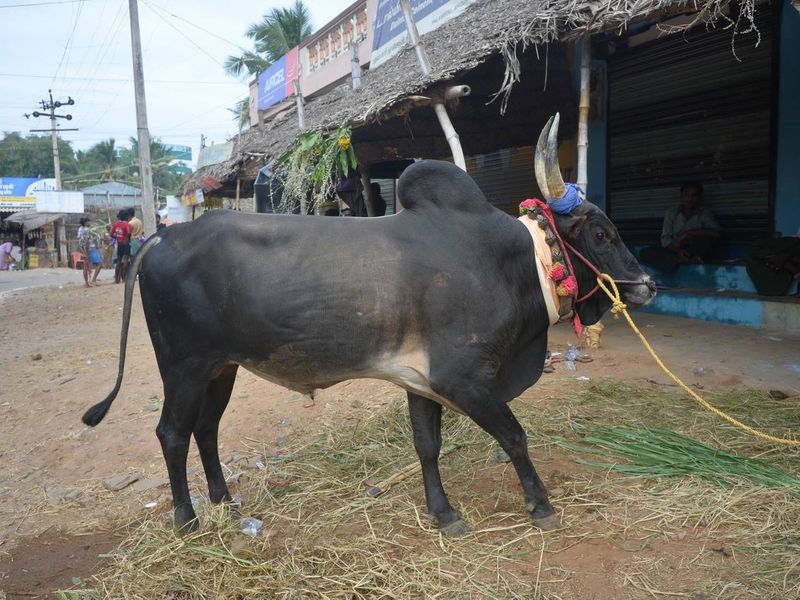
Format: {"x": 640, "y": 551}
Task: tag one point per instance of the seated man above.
{"x": 688, "y": 235}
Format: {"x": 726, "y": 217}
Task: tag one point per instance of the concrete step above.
{"x": 728, "y": 306}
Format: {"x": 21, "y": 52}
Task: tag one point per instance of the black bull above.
{"x": 442, "y": 299}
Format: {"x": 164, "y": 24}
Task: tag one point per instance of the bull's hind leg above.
{"x": 206, "y": 430}
{"x": 426, "y": 422}
{"x": 498, "y": 421}
{"x": 184, "y": 391}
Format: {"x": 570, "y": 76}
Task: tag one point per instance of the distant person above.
{"x": 137, "y": 231}
{"x": 121, "y": 233}
{"x": 90, "y": 256}
{"x": 378, "y": 203}
{"x": 159, "y": 224}
{"x": 7, "y": 261}
{"x": 688, "y": 235}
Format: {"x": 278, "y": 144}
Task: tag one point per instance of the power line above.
{"x": 68, "y": 45}
{"x": 191, "y": 41}
{"x": 203, "y": 29}
{"x": 120, "y": 79}
{"x": 40, "y": 3}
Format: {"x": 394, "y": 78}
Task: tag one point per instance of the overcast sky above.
{"x": 82, "y": 49}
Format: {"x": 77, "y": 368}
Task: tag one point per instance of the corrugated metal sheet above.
{"x": 506, "y": 177}
{"x": 684, "y": 108}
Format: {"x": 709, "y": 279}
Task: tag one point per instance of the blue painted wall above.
{"x": 597, "y": 155}
{"x": 787, "y": 184}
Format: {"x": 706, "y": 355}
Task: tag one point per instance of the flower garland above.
{"x": 559, "y": 271}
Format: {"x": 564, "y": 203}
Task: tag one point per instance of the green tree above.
{"x": 161, "y": 159}
{"x": 32, "y": 156}
{"x": 104, "y": 159}
{"x": 280, "y": 30}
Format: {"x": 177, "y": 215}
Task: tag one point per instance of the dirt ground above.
{"x": 60, "y": 349}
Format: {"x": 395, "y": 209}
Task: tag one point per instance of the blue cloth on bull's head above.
{"x": 571, "y": 198}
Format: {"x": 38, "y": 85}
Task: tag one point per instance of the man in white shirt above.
{"x": 689, "y": 233}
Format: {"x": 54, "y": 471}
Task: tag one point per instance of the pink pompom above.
{"x": 568, "y": 287}
{"x": 557, "y": 272}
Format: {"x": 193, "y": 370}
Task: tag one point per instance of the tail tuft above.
{"x": 95, "y": 414}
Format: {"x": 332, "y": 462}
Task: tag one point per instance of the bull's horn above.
{"x": 548, "y": 173}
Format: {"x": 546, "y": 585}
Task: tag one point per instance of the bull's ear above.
{"x": 570, "y": 225}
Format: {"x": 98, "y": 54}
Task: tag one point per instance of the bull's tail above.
{"x": 95, "y": 414}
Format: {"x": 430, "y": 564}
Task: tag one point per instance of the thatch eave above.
{"x": 485, "y": 29}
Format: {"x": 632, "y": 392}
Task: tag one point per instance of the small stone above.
{"x": 500, "y": 457}
{"x": 56, "y": 495}
{"x": 37, "y": 356}
{"x": 119, "y": 482}
{"x": 144, "y": 485}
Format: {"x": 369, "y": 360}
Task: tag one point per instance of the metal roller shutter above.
{"x": 506, "y": 177}
{"x": 683, "y": 108}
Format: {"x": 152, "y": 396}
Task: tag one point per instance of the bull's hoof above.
{"x": 186, "y": 520}
{"x": 187, "y": 527}
{"x": 548, "y": 523}
{"x": 457, "y": 528}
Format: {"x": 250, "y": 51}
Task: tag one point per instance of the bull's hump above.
{"x": 436, "y": 184}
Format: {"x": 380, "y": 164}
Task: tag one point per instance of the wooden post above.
{"x": 583, "y": 112}
{"x": 368, "y": 202}
{"x": 238, "y": 201}
{"x": 298, "y": 98}
{"x": 438, "y": 104}
{"x": 355, "y": 66}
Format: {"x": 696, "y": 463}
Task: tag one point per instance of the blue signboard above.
{"x": 390, "y": 26}
{"x": 275, "y": 83}
{"x": 17, "y": 193}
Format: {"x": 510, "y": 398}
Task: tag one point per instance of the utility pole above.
{"x": 145, "y": 168}
{"x": 51, "y": 107}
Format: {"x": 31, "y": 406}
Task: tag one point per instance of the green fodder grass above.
{"x": 322, "y": 536}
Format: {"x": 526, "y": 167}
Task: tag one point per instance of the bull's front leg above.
{"x": 426, "y": 422}
{"x": 498, "y": 421}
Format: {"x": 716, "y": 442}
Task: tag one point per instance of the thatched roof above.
{"x": 487, "y": 28}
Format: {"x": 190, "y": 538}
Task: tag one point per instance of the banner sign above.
{"x": 216, "y": 153}
{"x": 390, "y": 25}
{"x": 17, "y": 193}
{"x": 52, "y": 201}
{"x": 276, "y": 83}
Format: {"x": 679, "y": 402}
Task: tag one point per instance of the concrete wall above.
{"x": 787, "y": 184}
{"x": 337, "y": 68}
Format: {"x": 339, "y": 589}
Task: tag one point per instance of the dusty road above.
{"x": 59, "y": 356}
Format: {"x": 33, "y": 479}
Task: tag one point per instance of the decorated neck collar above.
{"x": 553, "y": 265}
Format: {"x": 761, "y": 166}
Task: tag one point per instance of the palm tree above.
{"x": 104, "y": 158}
{"x": 280, "y": 30}
{"x": 160, "y": 161}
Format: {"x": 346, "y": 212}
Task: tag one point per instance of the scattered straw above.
{"x": 324, "y": 538}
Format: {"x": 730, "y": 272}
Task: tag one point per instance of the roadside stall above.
{"x": 39, "y": 243}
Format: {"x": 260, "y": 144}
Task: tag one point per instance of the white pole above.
{"x": 583, "y": 112}
{"x": 438, "y": 105}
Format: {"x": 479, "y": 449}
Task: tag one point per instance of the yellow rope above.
{"x": 619, "y": 307}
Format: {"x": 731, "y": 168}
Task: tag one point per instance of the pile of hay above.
{"x": 322, "y": 536}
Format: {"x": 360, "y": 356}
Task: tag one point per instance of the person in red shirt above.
{"x": 121, "y": 233}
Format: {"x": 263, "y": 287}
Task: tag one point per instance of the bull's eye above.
{"x": 600, "y": 235}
